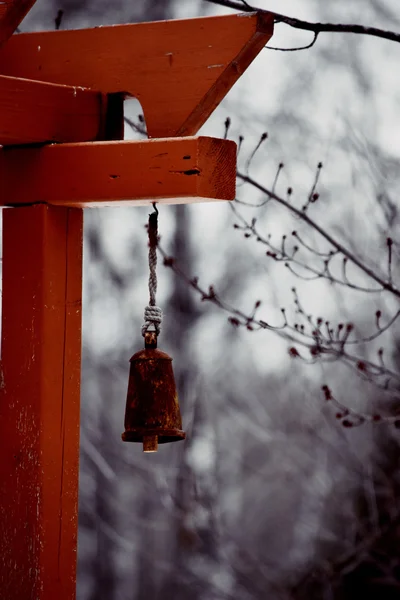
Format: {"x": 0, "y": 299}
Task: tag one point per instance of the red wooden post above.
{"x": 39, "y": 402}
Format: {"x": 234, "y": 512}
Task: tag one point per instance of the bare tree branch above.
{"x": 290, "y": 258}
{"x": 310, "y": 45}
{"x": 385, "y": 285}
{"x": 320, "y": 347}
{"x": 316, "y": 28}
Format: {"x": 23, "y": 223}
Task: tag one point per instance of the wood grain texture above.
{"x": 179, "y": 70}
{"x": 11, "y": 14}
{"x": 33, "y": 111}
{"x": 172, "y": 171}
{"x": 39, "y": 402}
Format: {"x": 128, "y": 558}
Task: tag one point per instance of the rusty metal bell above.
{"x": 152, "y": 414}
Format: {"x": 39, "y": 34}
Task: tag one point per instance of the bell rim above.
{"x": 165, "y": 436}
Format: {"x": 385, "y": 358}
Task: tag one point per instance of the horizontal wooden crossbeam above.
{"x": 179, "y": 70}
{"x": 33, "y": 111}
{"x": 170, "y": 171}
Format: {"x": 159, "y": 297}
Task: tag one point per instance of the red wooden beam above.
{"x": 39, "y": 402}
{"x": 11, "y": 14}
{"x": 33, "y": 111}
{"x": 172, "y": 171}
{"x": 179, "y": 70}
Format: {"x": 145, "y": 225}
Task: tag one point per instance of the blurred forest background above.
{"x": 269, "y": 496}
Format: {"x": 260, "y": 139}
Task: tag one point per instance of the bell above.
{"x": 152, "y": 414}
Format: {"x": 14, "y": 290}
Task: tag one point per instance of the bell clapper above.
{"x": 150, "y": 443}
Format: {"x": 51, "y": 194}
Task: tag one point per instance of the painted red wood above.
{"x": 33, "y": 111}
{"x": 172, "y": 171}
{"x": 39, "y": 402}
{"x": 179, "y": 70}
{"x": 11, "y": 14}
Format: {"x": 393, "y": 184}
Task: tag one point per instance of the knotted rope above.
{"x": 152, "y": 313}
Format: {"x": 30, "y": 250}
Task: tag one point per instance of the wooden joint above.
{"x": 33, "y": 112}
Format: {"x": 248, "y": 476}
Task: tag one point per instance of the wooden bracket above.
{"x": 179, "y": 70}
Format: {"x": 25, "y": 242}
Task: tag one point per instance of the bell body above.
{"x": 152, "y": 410}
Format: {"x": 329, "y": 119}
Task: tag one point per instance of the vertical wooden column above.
{"x": 39, "y": 402}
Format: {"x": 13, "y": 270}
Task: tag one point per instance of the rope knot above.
{"x": 152, "y": 317}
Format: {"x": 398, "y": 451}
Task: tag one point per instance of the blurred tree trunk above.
{"x": 103, "y": 566}
{"x": 180, "y": 319}
{"x": 194, "y": 543}
{"x": 182, "y": 312}
{"x": 146, "y": 568}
